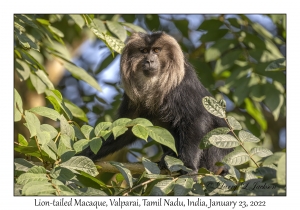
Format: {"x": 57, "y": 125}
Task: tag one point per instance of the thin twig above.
{"x": 241, "y": 143}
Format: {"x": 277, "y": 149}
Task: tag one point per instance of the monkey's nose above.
{"x": 149, "y": 63}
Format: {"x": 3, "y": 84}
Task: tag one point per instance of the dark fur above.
{"x": 180, "y": 111}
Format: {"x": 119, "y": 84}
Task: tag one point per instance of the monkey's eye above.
{"x": 156, "y": 50}
{"x": 143, "y": 50}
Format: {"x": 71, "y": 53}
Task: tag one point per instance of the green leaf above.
{"x": 50, "y": 129}
{"x": 214, "y": 35}
{"x": 66, "y": 128}
{"x": 78, "y": 20}
{"x": 65, "y": 139}
{"x": 98, "y": 31}
{"x": 49, "y": 152}
{"x": 235, "y": 22}
{"x": 95, "y": 144}
{"x": 135, "y": 28}
{"x": 115, "y": 44}
{"x": 25, "y": 41}
{"x": 140, "y": 132}
{"x": 33, "y": 123}
{"x": 27, "y": 20}
{"x": 29, "y": 177}
{"x": 55, "y": 98}
{"x": 101, "y": 126}
{"x": 67, "y": 155}
{"x": 100, "y": 25}
{"x": 256, "y": 114}
{"x": 56, "y": 31}
{"x": 210, "y": 24}
{"x": 87, "y": 131}
{"x": 236, "y": 157}
{"x": 38, "y": 188}
{"x": 247, "y": 137}
{"x": 227, "y": 61}
{"x": 183, "y": 186}
{"x": 80, "y": 73}
{"x": 76, "y": 111}
{"x": 78, "y": 134}
{"x": 140, "y": 121}
{"x": 120, "y": 122}
{"x": 26, "y": 56}
{"x": 150, "y": 167}
{"x": 213, "y": 107}
{"x": 62, "y": 174}
{"x": 43, "y": 137}
{"x": 46, "y": 112}
{"x": 118, "y": 130}
{"x": 274, "y": 102}
{"x": 43, "y": 21}
{"x": 266, "y": 172}
{"x": 224, "y": 141}
{"x": 22, "y": 140}
{"x": 119, "y": 178}
{"x": 18, "y": 106}
{"x": 273, "y": 159}
{"x": 220, "y": 46}
{"x": 124, "y": 171}
{"x": 21, "y": 164}
{"x": 55, "y": 103}
{"x": 183, "y": 26}
{"x": 89, "y": 192}
{"x": 197, "y": 190}
{"x": 28, "y": 150}
{"x": 162, "y": 136}
{"x": 262, "y": 31}
{"x": 81, "y": 163}
{"x": 37, "y": 170}
{"x": 156, "y": 176}
{"x": 162, "y": 188}
{"x": 37, "y": 83}
{"x": 117, "y": 29}
{"x": 281, "y": 172}
{"x": 234, "y": 124}
{"x": 22, "y": 69}
{"x": 44, "y": 78}
{"x": 64, "y": 190}
{"x": 152, "y": 22}
{"x": 174, "y": 164}
{"x": 260, "y": 151}
{"x": 80, "y": 145}
{"x": 231, "y": 170}
{"x": 52, "y": 145}
{"x": 253, "y": 41}
{"x": 90, "y": 181}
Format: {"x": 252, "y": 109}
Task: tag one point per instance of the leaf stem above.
{"x": 38, "y": 146}
{"x": 241, "y": 143}
{"x": 137, "y": 186}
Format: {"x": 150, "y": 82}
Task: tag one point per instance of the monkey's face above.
{"x": 151, "y": 62}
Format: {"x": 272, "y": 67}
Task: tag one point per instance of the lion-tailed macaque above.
{"x": 162, "y": 86}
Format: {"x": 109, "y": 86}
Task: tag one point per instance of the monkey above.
{"x": 162, "y": 86}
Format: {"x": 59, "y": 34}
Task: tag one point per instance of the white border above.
{"x": 150, "y": 6}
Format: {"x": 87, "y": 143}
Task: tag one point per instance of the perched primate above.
{"x": 162, "y": 86}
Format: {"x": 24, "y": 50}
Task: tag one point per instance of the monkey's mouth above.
{"x": 150, "y": 72}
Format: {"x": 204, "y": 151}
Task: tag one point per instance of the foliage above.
{"x": 237, "y": 58}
